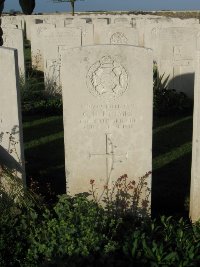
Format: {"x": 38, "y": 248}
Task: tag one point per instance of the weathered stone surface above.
{"x": 147, "y": 24}
{"x": 87, "y": 30}
{"x": 55, "y": 40}
{"x": 175, "y": 50}
{"x": 113, "y": 34}
{"x": 30, "y": 20}
{"x": 11, "y": 142}
{"x": 100, "y": 21}
{"x": 195, "y": 174}
{"x": 37, "y": 53}
{"x": 123, "y": 21}
{"x": 150, "y": 27}
{"x": 14, "y": 38}
{"x": 107, "y": 107}
{"x": 17, "y": 21}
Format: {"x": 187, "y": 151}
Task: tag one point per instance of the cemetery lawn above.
{"x": 44, "y": 154}
{"x": 172, "y": 147}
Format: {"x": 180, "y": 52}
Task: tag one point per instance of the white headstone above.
{"x": 123, "y": 21}
{"x": 147, "y": 24}
{"x": 58, "y": 20}
{"x": 55, "y": 40}
{"x": 37, "y": 54}
{"x": 11, "y": 142}
{"x": 107, "y": 106}
{"x": 112, "y": 34}
{"x": 29, "y": 21}
{"x": 195, "y": 174}
{"x": 100, "y": 21}
{"x": 13, "y": 38}
{"x": 175, "y": 53}
{"x": 87, "y": 30}
{"x": 17, "y": 21}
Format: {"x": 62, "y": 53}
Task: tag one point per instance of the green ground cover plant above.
{"x": 77, "y": 231}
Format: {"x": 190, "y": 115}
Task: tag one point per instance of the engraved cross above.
{"x": 110, "y": 156}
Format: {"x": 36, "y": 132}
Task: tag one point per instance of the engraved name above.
{"x": 107, "y": 116}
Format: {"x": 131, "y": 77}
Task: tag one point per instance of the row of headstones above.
{"x": 107, "y": 113}
{"x": 173, "y": 41}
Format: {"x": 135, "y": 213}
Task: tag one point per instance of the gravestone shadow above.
{"x": 172, "y": 156}
{"x": 172, "y": 147}
{"x": 44, "y": 154}
{"x": 8, "y": 161}
{"x": 183, "y": 83}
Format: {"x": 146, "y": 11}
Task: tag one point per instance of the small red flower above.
{"x": 130, "y": 187}
{"x": 91, "y": 181}
{"x": 145, "y": 203}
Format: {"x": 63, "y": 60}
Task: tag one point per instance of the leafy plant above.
{"x": 125, "y": 197}
{"x": 76, "y": 231}
{"x": 18, "y": 208}
{"x": 165, "y": 242}
{"x": 168, "y": 101}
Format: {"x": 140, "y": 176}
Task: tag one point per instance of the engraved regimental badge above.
{"x": 107, "y": 78}
{"x": 118, "y": 38}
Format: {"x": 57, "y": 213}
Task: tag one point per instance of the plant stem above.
{"x": 1, "y": 32}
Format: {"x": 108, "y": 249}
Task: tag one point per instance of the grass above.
{"x": 44, "y": 153}
{"x": 172, "y": 149}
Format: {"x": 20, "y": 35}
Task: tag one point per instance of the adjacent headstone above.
{"x": 123, "y": 21}
{"x": 110, "y": 34}
{"x": 150, "y": 27}
{"x": 55, "y": 40}
{"x": 11, "y": 144}
{"x": 107, "y": 108}
{"x": 10, "y": 26}
{"x": 147, "y": 25}
{"x": 87, "y": 30}
{"x": 13, "y": 38}
{"x": 175, "y": 55}
{"x": 17, "y": 21}
{"x": 37, "y": 54}
{"x": 195, "y": 174}
{"x": 30, "y": 21}
{"x": 100, "y": 21}
{"x": 57, "y": 20}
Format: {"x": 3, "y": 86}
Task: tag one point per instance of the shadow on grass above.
{"x": 172, "y": 166}
{"x": 172, "y": 135}
{"x": 171, "y": 186}
{"x": 41, "y": 127}
{"x": 44, "y": 155}
{"x": 45, "y": 165}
